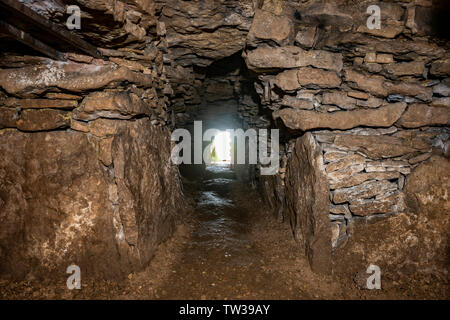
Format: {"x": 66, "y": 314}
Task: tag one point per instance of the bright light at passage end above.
{"x": 221, "y": 148}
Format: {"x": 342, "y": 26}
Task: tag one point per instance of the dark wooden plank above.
{"x": 21, "y": 10}
{"x": 29, "y": 41}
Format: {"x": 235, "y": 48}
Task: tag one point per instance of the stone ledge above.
{"x": 306, "y": 120}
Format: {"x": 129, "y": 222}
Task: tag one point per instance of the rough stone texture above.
{"x": 321, "y": 78}
{"x": 76, "y": 77}
{"x": 308, "y": 203}
{"x": 385, "y": 32}
{"x": 381, "y": 95}
{"x": 121, "y": 105}
{"x": 54, "y": 196}
{"x": 41, "y": 103}
{"x": 365, "y": 190}
{"x": 267, "y": 26}
{"x": 441, "y": 102}
{"x": 42, "y": 119}
{"x": 68, "y": 207}
{"x": 290, "y": 80}
{"x": 141, "y": 152}
{"x": 420, "y": 115}
{"x": 120, "y": 22}
{"x": 390, "y": 202}
{"x": 273, "y": 189}
{"x": 412, "y": 243}
{"x": 371, "y": 84}
{"x": 345, "y": 161}
{"x": 377, "y": 115}
{"x": 427, "y": 190}
{"x": 96, "y": 188}
{"x": 306, "y": 120}
{"x": 416, "y": 68}
{"x": 375, "y": 147}
{"x": 409, "y": 89}
{"x": 419, "y": 20}
{"x": 306, "y": 36}
{"x": 8, "y": 117}
{"x": 293, "y": 102}
{"x": 199, "y": 32}
{"x": 291, "y": 57}
{"x": 440, "y": 67}
{"x": 339, "y": 99}
{"x": 358, "y": 178}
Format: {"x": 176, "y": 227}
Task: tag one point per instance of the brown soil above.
{"x": 229, "y": 247}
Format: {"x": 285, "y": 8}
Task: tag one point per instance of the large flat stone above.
{"x": 267, "y": 26}
{"x": 288, "y": 80}
{"x": 75, "y": 77}
{"x": 308, "y": 202}
{"x": 296, "y": 103}
{"x": 292, "y": 57}
{"x": 306, "y": 36}
{"x": 414, "y": 68}
{"x": 119, "y": 105}
{"x": 441, "y": 102}
{"x": 43, "y": 119}
{"x": 350, "y": 160}
{"x": 340, "y": 99}
{"x": 386, "y": 31}
{"x": 344, "y": 173}
{"x": 375, "y": 147}
{"x": 358, "y": 178}
{"x": 199, "y": 32}
{"x": 8, "y": 117}
{"x": 440, "y": 67}
{"x": 294, "y": 79}
{"x": 321, "y": 78}
{"x": 390, "y": 204}
{"x": 409, "y": 89}
{"x": 427, "y": 188}
{"x": 60, "y": 205}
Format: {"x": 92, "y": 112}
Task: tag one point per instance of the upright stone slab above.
{"x": 308, "y": 203}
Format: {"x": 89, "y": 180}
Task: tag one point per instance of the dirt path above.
{"x": 221, "y": 260}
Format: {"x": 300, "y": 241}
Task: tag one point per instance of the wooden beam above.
{"x": 24, "y": 12}
{"x": 28, "y": 40}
